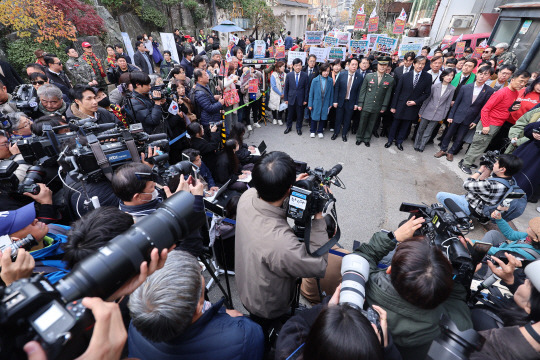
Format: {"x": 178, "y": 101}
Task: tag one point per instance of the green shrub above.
{"x": 151, "y": 15}
{"x": 21, "y": 52}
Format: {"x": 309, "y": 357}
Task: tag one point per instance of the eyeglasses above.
{"x": 487, "y": 52}
{"x": 39, "y": 82}
{"x": 58, "y": 63}
{"x": 6, "y": 144}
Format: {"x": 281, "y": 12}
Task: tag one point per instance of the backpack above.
{"x": 517, "y": 206}
{"x": 196, "y": 107}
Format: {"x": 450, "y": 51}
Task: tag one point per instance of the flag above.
{"x": 228, "y": 56}
{"x": 234, "y": 39}
{"x": 373, "y": 13}
{"x": 403, "y": 14}
{"x": 361, "y": 10}
{"x": 280, "y": 41}
{"x": 483, "y": 44}
{"x": 173, "y": 108}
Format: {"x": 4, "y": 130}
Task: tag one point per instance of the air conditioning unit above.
{"x": 461, "y": 22}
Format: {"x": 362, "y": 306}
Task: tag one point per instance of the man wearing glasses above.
{"x": 55, "y": 73}
{"x": 488, "y": 53}
{"x": 7, "y": 151}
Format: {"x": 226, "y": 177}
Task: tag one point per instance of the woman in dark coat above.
{"x": 529, "y": 178}
{"x": 228, "y": 168}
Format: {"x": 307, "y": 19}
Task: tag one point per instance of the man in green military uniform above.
{"x": 78, "y": 71}
{"x": 373, "y": 99}
{"x": 97, "y": 65}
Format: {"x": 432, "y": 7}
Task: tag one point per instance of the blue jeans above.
{"x": 458, "y": 199}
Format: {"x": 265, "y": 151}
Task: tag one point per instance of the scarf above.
{"x": 61, "y": 111}
{"x": 88, "y": 60}
{"x": 281, "y": 77}
{"x": 111, "y": 61}
{"x": 117, "y": 111}
{"x": 139, "y": 211}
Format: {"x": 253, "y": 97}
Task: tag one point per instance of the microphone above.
{"x": 334, "y": 171}
{"x": 456, "y": 210}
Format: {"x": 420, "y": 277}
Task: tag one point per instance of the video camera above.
{"x": 309, "y": 197}
{"x": 489, "y": 158}
{"x": 166, "y": 92}
{"x": 442, "y": 228}
{"x": 25, "y": 99}
{"x": 33, "y": 309}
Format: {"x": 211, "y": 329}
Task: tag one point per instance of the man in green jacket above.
{"x": 464, "y": 77}
{"x": 516, "y": 134}
{"x": 373, "y": 99}
{"x": 415, "y": 290}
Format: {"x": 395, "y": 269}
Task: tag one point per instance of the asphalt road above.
{"x": 377, "y": 181}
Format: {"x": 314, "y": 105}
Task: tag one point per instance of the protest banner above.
{"x": 294, "y": 55}
{"x": 280, "y": 52}
{"x": 271, "y": 51}
{"x": 314, "y": 37}
{"x": 460, "y": 48}
{"x": 337, "y": 53}
{"x": 259, "y": 49}
{"x": 320, "y": 53}
{"x": 373, "y": 23}
{"x": 477, "y": 54}
{"x": 360, "y": 21}
{"x": 405, "y": 48}
{"x": 253, "y": 86}
{"x": 371, "y": 39}
{"x": 385, "y": 44}
{"x": 343, "y": 38}
{"x": 358, "y": 47}
{"x": 399, "y": 26}
{"x": 330, "y": 41}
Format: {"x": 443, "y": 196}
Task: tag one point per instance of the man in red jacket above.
{"x": 493, "y": 115}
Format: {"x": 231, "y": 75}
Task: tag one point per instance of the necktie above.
{"x": 406, "y": 70}
{"x": 310, "y": 71}
{"x": 349, "y": 83}
{"x": 415, "y": 80}
{"x": 296, "y": 80}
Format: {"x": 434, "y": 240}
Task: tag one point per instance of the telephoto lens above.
{"x": 355, "y": 273}
{"x": 34, "y": 175}
{"x": 102, "y": 273}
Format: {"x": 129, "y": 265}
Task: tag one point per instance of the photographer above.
{"x": 415, "y": 290}
{"x": 10, "y": 151}
{"x": 204, "y": 173}
{"x": 50, "y": 101}
{"x": 6, "y": 106}
{"x": 20, "y": 124}
{"x": 484, "y": 192}
{"x": 268, "y": 255}
{"x": 207, "y": 148}
{"x": 335, "y": 331}
{"x": 513, "y": 342}
{"x": 171, "y": 318}
{"x": 86, "y": 106}
{"x": 209, "y": 105}
{"x": 146, "y": 107}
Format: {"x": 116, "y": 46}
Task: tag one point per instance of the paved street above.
{"x": 378, "y": 180}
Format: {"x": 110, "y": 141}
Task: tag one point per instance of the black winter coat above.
{"x": 146, "y": 112}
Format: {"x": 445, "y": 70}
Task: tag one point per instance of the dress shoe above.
{"x": 416, "y": 149}
{"x": 358, "y": 142}
{"x": 399, "y": 147}
{"x": 334, "y": 137}
{"x": 367, "y": 144}
{"x": 353, "y": 132}
{"x": 420, "y": 150}
{"x": 299, "y": 132}
{"x": 376, "y": 134}
{"x": 440, "y": 153}
{"x": 388, "y": 144}
{"x": 287, "y": 130}
{"x": 344, "y": 137}
{"x": 450, "y": 157}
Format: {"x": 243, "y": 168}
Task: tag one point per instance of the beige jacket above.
{"x": 269, "y": 257}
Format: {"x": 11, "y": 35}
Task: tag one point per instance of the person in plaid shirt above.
{"x": 483, "y": 190}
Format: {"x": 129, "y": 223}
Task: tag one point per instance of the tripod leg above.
{"x": 226, "y": 272}
{"x": 228, "y": 302}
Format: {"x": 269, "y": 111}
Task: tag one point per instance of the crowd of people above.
{"x": 201, "y": 108}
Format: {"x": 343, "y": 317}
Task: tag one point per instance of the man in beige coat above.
{"x": 268, "y": 256}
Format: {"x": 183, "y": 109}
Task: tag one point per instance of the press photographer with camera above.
{"x": 415, "y": 290}
{"x": 146, "y": 107}
{"x": 487, "y": 187}
{"x": 206, "y": 145}
{"x": 50, "y": 101}
{"x": 9, "y": 151}
{"x": 268, "y": 255}
{"x": 6, "y": 105}
{"x": 20, "y": 124}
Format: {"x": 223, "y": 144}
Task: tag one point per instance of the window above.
{"x": 506, "y": 30}
{"x": 522, "y": 44}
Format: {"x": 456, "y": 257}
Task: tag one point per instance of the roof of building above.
{"x": 294, "y": 3}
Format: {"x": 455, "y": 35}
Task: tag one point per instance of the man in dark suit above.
{"x": 345, "y": 98}
{"x": 465, "y": 113}
{"x": 363, "y": 69}
{"x": 9, "y": 77}
{"x": 120, "y": 51}
{"x": 296, "y": 95}
{"x": 406, "y": 67}
{"x": 55, "y": 73}
{"x": 186, "y": 63}
{"x": 425, "y": 52}
{"x": 411, "y": 91}
{"x": 142, "y": 60}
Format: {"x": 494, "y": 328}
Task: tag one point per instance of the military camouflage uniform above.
{"x": 97, "y": 72}
{"x": 79, "y": 72}
{"x": 507, "y": 58}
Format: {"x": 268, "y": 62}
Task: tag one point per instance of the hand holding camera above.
{"x": 45, "y": 195}
{"x": 406, "y": 231}
{"x": 21, "y": 268}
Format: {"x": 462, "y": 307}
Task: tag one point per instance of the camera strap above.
{"x": 326, "y": 247}
{"x": 101, "y": 159}
{"x": 131, "y": 146}
{"x": 532, "y": 332}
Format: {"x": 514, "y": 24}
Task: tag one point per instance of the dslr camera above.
{"x": 9, "y": 182}
{"x": 442, "y": 229}
{"x": 25, "y": 99}
{"x": 490, "y": 158}
{"x": 33, "y": 309}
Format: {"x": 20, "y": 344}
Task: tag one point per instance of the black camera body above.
{"x": 166, "y": 92}
{"x": 490, "y": 158}
{"x": 25, "y": 99}
{"x": 8, "y": 180}
{"x": 442, "y": 228}
{"x": 34, "y": 175}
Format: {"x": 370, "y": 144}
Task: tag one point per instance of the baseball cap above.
{"x": 15, "y": 220}
{"x": 86, "y": 44}
{"x": 395, "y": 53}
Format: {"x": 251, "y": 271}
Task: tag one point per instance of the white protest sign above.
{"x": 296, "y": 54}
{"x": 320, "y": 53}
{"x": 167, "y": 39}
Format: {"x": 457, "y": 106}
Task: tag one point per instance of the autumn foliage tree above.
{"x": 82, "y": 15}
